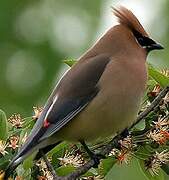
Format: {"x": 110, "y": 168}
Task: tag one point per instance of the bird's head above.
{"x": 128, "y": 19}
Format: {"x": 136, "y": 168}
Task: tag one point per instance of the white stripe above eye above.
{"x": 54, "y": 100}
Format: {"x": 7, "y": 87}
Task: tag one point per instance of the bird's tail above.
{"x": 19, "y": 158}
{"x": 11, "y": 167}
{"x": 31, "y": 145}
{"x": 22, "y": 155}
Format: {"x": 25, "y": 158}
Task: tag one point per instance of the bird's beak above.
{"x": 155, "y": 46}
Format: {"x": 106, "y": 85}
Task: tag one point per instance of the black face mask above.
{"x": 146, "y": 42}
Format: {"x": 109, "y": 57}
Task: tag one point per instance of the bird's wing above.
{"x": 64, "y": 113}
{"x": 75, "y": 90}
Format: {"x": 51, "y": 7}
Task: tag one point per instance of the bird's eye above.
{"x": 145, "y": 41}
{"x": 141, "y": 41}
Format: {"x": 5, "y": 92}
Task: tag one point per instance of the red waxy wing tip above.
{"x": 46, "y": 123}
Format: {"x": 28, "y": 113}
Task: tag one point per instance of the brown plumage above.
{"x": 100, "y": 95}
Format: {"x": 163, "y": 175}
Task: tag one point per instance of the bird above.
{"x": 100, "y": 95}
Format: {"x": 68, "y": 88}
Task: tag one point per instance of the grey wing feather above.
{"x": 76, "y": 108}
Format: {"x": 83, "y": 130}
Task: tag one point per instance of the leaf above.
{"x": 28, "y": 163}
{"x": 58, "y": 152}
{"x": 70, "y": 62}
{"x": 65, "y": 170}
{"x": 61, "y": 146}
{"x": 91, "y": 172}
{"x": 165, "y": 168}
{"x": 144, "y": 152}
{"x": 160, "y": 175}
{"x": 158, "y": 76}
{"x": 106, "y": 165}
{"x": 28, "y": 122}
{"x": 3, "y": 126}
{"x": 140, "y": 126}
{"x": 3, "y": 163}
{"x": 124, "y": 171}
{"x": 4, "y": 160}
{"x": 26, "y": 174}
{"x": 26, "y": 129}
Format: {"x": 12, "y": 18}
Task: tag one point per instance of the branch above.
{"x": 106, "y": 150}
{"x": 83, "y": 169}
{"x": 49, "y": 166}
{"x": 153, "y": 105}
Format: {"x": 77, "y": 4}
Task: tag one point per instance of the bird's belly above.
{"x": 101, "y": 118}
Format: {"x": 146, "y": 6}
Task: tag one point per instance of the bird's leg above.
{"x": 121, "y": 135}
{"x": 95, "y": 157}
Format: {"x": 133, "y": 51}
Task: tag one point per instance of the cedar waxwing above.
{"x": 100, "y": 95}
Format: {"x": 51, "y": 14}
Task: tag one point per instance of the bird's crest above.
{"x": 127, "y": 18}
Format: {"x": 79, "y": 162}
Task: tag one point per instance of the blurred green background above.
{"x": 36, "y": 35}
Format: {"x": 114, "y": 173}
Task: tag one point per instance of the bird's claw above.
{"x": 96, "y": 158}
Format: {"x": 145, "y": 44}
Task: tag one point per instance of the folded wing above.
{"x": 72, "y": 94}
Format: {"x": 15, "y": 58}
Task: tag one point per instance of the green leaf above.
{"x": 160, "y": 175}
{"x": 58, "y": 152}
{"x": 4, "y": 161}
{"x": 157, "y": 76}
{"x": 28, "y": 163}
{"x": 26, "y": 129}
{"x": 165, "y": 168}
{"x": 28, "y": 122}
{"x": 60, "y": 147}
{"x": 65, "y": 170}
{"x": 91, "y": 172}
{"x": 129, "y": 171}
{"x": 106, "y": 165}
{"x": 3, "y": 126}
{"x": 144, "y": 152}
{"x": 26, "y": 174}
{"x": 70, "y": 62}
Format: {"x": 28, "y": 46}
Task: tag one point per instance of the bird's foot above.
{"x": 125, "y": 133}
{"x": 96, "y": 158}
